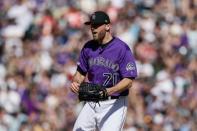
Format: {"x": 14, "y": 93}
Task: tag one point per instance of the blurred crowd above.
{"x": 40, "y": 41}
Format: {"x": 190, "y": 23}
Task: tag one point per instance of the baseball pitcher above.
{"x": 110, "y": 67}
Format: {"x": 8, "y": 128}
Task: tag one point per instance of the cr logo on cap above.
{"x": 93, "y": 16}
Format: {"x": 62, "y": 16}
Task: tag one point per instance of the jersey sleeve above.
{"x": 82, "y": 64}
{"x": 127, "y": 64}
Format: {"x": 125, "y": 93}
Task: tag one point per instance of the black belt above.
{"x": 113, "y": 97}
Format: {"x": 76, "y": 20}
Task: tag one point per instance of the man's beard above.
{"x": 99, "y": 36}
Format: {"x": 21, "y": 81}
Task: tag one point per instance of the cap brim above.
{"x": 87, "y": 23}
{"x": 90, "y": 23}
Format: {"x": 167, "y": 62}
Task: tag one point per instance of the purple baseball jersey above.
{"x": 107, "y": 64}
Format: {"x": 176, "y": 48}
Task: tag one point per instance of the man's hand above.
{"x": 109, "y": 91}
{"x": 75, "y": 87}
{"x": 77, "y": 79}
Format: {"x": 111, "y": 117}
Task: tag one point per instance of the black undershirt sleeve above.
{"x": 81, "y": 71}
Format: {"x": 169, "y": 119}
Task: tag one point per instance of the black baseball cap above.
{"x": 98, "y": 18}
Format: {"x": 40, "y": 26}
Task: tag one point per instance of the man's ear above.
{"x": 107, "y": 27}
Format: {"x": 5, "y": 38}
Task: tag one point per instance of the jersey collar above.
{"x": 106, "y": 44}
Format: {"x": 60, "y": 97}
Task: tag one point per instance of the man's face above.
{"x": 98, "y": 31}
